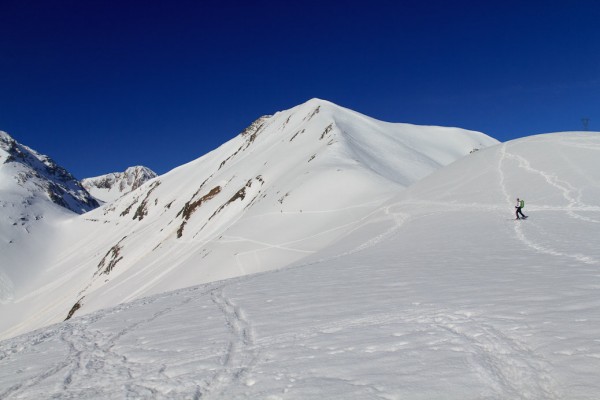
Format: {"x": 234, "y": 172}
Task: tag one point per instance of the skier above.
{"x": 519, "y": 206}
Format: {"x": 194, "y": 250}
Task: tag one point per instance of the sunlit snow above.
{"x": 437, "y": 292}
{"x": 286, "y": 187}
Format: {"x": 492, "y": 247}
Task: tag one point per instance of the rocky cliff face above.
{"x": 38, "y": 177}
{"x": 110, "y": 187}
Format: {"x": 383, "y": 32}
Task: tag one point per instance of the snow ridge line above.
{"x": 241, "y": 354}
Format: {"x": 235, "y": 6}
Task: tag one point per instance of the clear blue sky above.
{"x": 103, "y": 85}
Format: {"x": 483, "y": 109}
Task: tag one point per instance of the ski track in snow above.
{"x": 574, "y": 204}
{"x": 399, "y": 218}
{"x": 564, "y": 187}
{"x": 91, "y": 355}
{"x": 510, "y": 368}
{"x": 503, "y": 364}
{"x": 241, "y": 351}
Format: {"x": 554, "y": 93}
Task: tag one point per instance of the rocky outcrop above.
{"x": 40, "y": 176}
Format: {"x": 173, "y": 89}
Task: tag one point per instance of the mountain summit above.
{"x": 38, "y": 177}
{"x": 110, "y": 187}
{"x": 285, "y": 187}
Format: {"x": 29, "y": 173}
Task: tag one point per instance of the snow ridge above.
{"x": 109, "y": 187}
{"x": 40, "y": 176}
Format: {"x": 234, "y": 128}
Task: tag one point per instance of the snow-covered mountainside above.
{"x": 284, "y": 188}
{"x": 35, "y": 193}
{"x": 437, "y": 294}
{"x": 110, "y": 187}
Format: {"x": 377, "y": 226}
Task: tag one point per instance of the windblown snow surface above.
{"x": 437, "y": 294}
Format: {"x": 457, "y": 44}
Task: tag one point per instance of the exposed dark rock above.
{"x": 129, "y": 207}
{"x": 190, "y": 207}
{"x": 250, "y": 134}
{"x": 75, "y": 307}
{"x": 296, "y": 134}
{"x": 239, "y": 195}
{"x": 111, "y": 258}
{"x": 326, "y": 131}
{"x": 142, "y": 209}
{"x": 313, "y": 113}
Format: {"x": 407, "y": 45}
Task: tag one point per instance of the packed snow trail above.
{"x": 241, "y": 352}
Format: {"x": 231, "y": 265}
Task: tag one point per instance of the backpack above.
{"x": 522, "y": 203}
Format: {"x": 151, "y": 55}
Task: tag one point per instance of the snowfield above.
{"x": 437, "y": 293}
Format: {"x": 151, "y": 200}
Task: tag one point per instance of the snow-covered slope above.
{"x": 35, "y": 192}
{"x": 438, "y": 293}
{"x": 110, "y": 187}
{"x": 284, "y": 188}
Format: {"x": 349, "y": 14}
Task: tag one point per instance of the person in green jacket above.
{"x": 519, "y": 207}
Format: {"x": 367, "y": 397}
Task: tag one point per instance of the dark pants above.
{"x": 519, "y": 212}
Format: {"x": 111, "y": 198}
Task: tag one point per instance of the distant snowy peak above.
{"x": 111, "y": 186}
{"x": 36, "y": 176}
